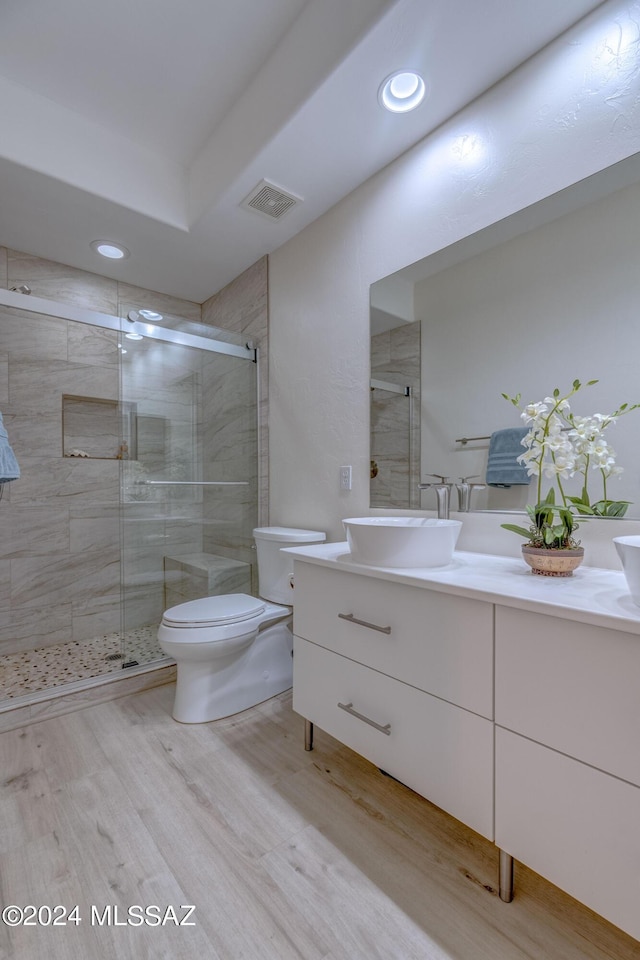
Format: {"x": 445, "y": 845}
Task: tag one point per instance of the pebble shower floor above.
{"x": 32, "y": 671}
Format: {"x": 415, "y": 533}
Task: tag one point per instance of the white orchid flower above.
{"x": 533, "y": 468}
{"x": 560, "y": 467}
{"x": 559, "y": 445}
{"x": 554, "y": 426}
{"x": 534, "y": 411}
{"x": 581, "y": 427}
{"x": 613, "y": 472}
{"x": 528, "y": 456}
{"x": 561, "y": 406}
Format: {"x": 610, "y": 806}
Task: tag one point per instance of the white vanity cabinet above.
{"x": 511, "y": 701}
{"x": 405, "y": 678}
{"x": 568, "y": 757}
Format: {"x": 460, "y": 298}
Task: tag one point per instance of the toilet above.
{"x": 234, "y": 651}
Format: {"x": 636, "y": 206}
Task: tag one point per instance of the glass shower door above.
{"x": 394, "y": 445}
{"x": 188, "y": 473}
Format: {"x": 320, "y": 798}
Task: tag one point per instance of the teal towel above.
{"x": 503, "y": 469}
{"x": 9, "y": 469}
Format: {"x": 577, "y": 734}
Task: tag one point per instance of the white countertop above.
{"x": 592, "y": 595}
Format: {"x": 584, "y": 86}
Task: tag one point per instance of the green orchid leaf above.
{"x": 611, "y": 508}
{"x": 582, "y": 506}
{"x": 618, "y": 508}
{"x": 584, "y": 510}
{"x": 516, "y": 529}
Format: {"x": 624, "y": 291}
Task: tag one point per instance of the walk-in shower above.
{"x": 138, "y": 486}
{"x": 395, "y": 413}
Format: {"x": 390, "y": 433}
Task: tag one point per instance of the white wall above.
{"x": 568, "y": 112}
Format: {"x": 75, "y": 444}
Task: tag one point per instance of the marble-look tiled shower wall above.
{"x": 395, "y": 447}
{"x": 60, "y": 282}
{"x": 60, "y": 553}
{"x": 60, "y": 576}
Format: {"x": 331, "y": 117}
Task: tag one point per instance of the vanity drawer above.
{"x": 576, "y": 826}
{"x": 439, "y": 643}
{"x": 572, "y": 686}
{"x": 441, "y": 751}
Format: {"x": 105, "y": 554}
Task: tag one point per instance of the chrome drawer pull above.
{"x": 363, "y": 623}
{"x": 354, "y": 713}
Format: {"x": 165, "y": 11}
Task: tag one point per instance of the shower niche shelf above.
{"x": 91, "y": 428}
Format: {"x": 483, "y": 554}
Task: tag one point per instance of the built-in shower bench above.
{"x": 188, "y": 576}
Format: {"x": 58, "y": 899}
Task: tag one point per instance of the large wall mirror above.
{"x": 533, "y": 302}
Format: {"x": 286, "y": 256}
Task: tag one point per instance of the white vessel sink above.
{"x": 629, "y": 552}
{"x": 402, "y": 541}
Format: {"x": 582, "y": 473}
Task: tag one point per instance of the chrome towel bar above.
{"x": 192, "y": 483}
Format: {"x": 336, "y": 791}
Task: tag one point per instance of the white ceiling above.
{"x": 147, "y": 122}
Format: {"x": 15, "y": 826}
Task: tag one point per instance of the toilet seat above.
{"x": 214, "y": 611}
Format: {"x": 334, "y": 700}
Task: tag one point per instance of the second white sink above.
{"x": 402, "y": 541}
{"x": 628, "y": 549}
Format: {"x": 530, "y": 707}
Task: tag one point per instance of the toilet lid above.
{"x": 214, "y": 611}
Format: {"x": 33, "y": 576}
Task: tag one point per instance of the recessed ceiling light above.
{"x": 113, "y": 251}
{"x": 404, "y": 90}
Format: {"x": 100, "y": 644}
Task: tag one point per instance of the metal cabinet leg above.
{"x": 506, "y": 877}
{"x": 308, "y": 735}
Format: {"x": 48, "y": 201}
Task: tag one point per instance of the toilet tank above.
{"x": 275, "y": 569}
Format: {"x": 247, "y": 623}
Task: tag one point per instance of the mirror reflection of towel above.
{"x": 9, "y": 469}
{"x": 503, "y": 469}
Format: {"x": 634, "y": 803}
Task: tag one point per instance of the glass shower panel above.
{"x": 393, "y": 445}
{"x": 188, "y": 477}
{"x": 60, "y": 551}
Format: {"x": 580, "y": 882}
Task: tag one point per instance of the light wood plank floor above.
{"x": 285, "y": 854}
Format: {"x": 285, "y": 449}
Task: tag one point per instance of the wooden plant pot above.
{"x": 552, "y": 563}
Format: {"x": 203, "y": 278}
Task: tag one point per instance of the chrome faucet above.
{"x": 465, "y": 489}
{"x": 443, "y": 493}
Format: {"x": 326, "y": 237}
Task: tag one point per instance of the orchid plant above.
{"x": 559, "y": 446}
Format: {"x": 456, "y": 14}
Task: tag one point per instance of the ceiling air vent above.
{"x": 269, "y": 200}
